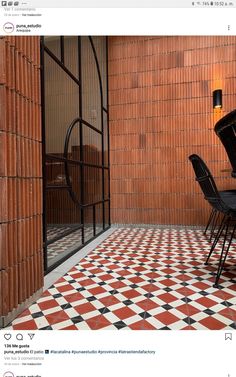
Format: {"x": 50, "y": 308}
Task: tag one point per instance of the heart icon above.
{"x": 7, "y": 336}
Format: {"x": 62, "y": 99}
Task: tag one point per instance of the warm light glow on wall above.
{"x": 217, "y": 99}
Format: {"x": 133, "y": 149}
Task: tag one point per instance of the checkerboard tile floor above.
{"x": 140, "y": 279}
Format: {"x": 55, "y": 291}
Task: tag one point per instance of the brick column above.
{"x": 21, "y": 263}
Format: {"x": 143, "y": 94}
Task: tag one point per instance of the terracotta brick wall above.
{"x": 160, "y": 95}
{"x": 21, "y": 269}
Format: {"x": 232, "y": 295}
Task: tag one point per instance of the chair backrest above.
{"x": 207, "y": 183}
{"x": 225, "y": 128}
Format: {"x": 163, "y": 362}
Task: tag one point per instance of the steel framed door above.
{"x": 76, "y": 194}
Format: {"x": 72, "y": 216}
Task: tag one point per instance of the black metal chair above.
{"x": 224, "y": 203}
{"x": 228, "y": 195}
{"x": 225, "y": 129}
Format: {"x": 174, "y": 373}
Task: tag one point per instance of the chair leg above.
{"x": 211, "y": 217}
{"x": 217, "y": 237}
{"x": 223, "y": 259}
{"x": 214, "y": 224}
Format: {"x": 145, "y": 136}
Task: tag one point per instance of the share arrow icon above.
{"x": 31, "y": 335}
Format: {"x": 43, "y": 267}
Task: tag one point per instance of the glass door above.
{"x": 76, "y": 144}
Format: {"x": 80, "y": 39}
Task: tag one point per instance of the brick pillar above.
{"x": 21, "y": 259}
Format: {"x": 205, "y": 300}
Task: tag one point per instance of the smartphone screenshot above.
{"x": 117, "y": 188}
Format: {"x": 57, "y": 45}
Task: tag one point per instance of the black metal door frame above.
{"x": 81, "y": 164}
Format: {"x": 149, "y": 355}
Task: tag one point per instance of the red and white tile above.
{"x": 140, "y": 279}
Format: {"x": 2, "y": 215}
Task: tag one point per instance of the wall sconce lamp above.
{"x": 217, "y": 99}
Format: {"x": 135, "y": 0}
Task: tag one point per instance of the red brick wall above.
{"x": 21, "y": 269}
{"x": 160, "y": 95}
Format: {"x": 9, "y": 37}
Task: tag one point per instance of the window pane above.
{"x": 61, "y": 105}
{"x": 106, "y": 184}
{"x": 90, "y": 85}
{"x": 105, "y": 136}
{"x": 107, "y": 214}
{"x": 92, "y": 185}
{"x": 100, "y": 46}
{"x": 71, "y": 55}
{"x": 92, "y": 149}
{"x": 99, "y": 218}
{"x": 88, "y": 223}
{"x": 53, "y": 43}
